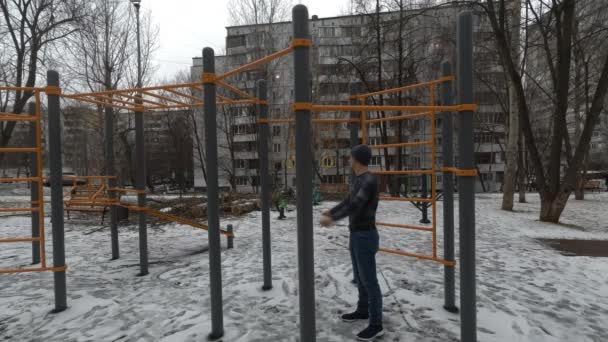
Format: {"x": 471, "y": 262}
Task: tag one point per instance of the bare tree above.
{"x": 26, "y": 30}
{"x": 512, "y": 27}
{"x": 553, "y": 24}
{"x": 103, "y": 56}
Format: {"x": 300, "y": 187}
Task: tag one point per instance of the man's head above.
{"x": 360, "y": 157}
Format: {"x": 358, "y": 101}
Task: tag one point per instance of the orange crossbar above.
{"x": 15, "y": 117}
{"x": 418, "y": 256}
{"x": 404, "y": 144}
{"x": 236, "y": 90}
{"x": 18, "y": 210}
{"x": 405, "y": 199}
{"x": 27, "y": 239}
{"x": 85, "y": 98}
{"x": 135, "y": 191}
{"x": 18, "y": 149}
{"x": 405, "y": 226}
{"x": 361, "y": 108}
{"x": 19, "y": 179}
{"x": 254, "y": 64}
{"x": 399, "y": 117}
{"x": 37, "y": 269}
{"x": 318, "y": 121}
{"x": 405, "y": 88}
{"x": 21, "y": 88}
{"x": 403, "y": 172}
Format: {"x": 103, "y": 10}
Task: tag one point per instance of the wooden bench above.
{"x": 593, "y": 185}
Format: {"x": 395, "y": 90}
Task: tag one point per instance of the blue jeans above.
{"x": 363, "y": 249}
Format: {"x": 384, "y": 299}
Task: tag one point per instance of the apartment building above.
{"x": 345, "y": 51}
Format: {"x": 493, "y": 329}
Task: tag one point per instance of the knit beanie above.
{"x": 362, "y": 154}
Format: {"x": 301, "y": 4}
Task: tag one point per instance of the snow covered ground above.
{"x": 526, "y": 291}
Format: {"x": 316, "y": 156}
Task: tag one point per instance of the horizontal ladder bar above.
{"x": 18, "y": 210}
{"x": 403, "y": 172}
{"x": 27, "y": 239}
{"x": 405, "y": 226}
{"x": 37, "y": 269}
{"x": 418, "y": 256}
{"x": 404, "y": 144}
{"x": 405, "y": 199}
{"x": 21, "y": 179}
{"x": 19, "y": 150}
{"x": 17, "y": 118}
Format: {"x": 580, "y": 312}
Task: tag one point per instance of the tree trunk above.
{"x": 552, "y": 205}
{"x": 510, "y": 176}
{"x": 521, "y": 170}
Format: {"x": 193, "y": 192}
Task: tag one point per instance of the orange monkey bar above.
{"x": 362, "y": 108}
{"x": 254, "y": 64}
{"x": 419, "y": 256}
{"x": 405, "y": 88}
{"x": 319, "y": 121}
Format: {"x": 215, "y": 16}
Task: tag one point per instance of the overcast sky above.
{"x": 186, "y": 26}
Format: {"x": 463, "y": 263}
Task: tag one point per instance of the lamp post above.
{"x": 137, "y": 4}
{"x": 140, "y": 183}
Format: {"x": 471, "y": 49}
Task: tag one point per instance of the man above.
{"x": 360, "y": 206}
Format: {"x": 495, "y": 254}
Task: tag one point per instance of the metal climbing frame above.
{"x": 36, "y": 208}
{"x": 419, "y": 112}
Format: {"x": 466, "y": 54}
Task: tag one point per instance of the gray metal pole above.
{"x": 56, "y": 181}
{"x": 447, "y": 144}
{"x": 424, "y": 205}
{"x": 264, "y": 184}
{"x": 230, "y": 239}
{"x": 466, "y": 184}
{"x": 355, "y": 88}
{"x": 140, "y": 152}
{"x": 34, "y": 186}
{"x": 213, "y": 220}
{"x": 109, "y": 171}
{"x": 304, "y": 177}
{"x": 141, "y": 186}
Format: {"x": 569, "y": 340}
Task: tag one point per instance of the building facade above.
{"x": 346, "y": 50}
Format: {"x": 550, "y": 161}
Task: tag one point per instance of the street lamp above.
{"x": 137, "y": 4}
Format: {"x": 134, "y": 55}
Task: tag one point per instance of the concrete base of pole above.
{"x": 451, "y": 309}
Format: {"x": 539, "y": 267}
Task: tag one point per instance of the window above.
{"x": 328, "y": 32}
{"x": 276, "y": 147}
{"x": 241, "y": 180}
{"x": 276, "y": 131}
{"x": 278, "y": 166}
{"x": 235, "y": 41}
{"x": 376, "y": 161}
{"x": 596, "y": 133}
{"x": 374, "y": 141}
{"x": 239, "y": 163}
{"x": 594, "y": 146}
{"x": 486, "y": 176}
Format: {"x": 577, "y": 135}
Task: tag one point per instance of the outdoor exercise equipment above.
{"x": 140, "y": 100}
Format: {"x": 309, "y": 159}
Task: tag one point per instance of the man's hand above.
{"x": 326, "y": 219}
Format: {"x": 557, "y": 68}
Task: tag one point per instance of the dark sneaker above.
{"x": 355, "y": 316}
{"x": 370, "y": 333}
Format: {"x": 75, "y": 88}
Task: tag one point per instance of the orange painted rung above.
{"x": 15, "y": 117}
{"x": 399, "y": 117}
{"x": 27, "y": 239}
{"x": 254, "y": 64}
{"x": 18, "y": 210}
{"x": 236, "y": 90}
{"x": 405, "y": 88}
{"x": 19, "y": 179}
{"x": 135, "y": 191}
{"x": 403, "y": 172}
{"x": 405, "y": 226}
{"x": 461, "y": 172}
{"x": 404, "y": 144}
{"x": 89, "y": 177}
{"x": 360, "y": 108}
{"x": 21, "y": 88}
{"x": 275, "y": 121}
{"x": 405, "y": 199}
{"x": 18, "y": 149}
{"x": 37, "y": 269}
{"x": 419, "y": 256}
{"x": 317, "y": 121}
